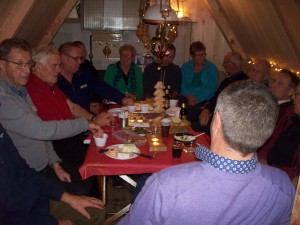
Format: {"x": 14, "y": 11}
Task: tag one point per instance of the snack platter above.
{"x": 128, "y": 137}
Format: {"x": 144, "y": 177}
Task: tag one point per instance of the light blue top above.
{"x": 205, "y": 87}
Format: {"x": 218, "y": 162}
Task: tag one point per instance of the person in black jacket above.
{"x": 26, "y": 194}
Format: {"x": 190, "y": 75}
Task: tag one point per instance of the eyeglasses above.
{"x": 226, "y": 63}
{"x": 77, "y": 59}
{"x": 20, "y": 65}
{"x": 199, "y": 54}
{"x": 253, "y": 70}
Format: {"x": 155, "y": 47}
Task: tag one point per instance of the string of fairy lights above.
{"x": 277, "y": 68}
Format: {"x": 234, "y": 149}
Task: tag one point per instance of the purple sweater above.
{"x": 197, "y": 193}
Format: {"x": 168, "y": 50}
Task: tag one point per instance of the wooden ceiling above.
{"x": 267, "y": 29}
{"x": 261, "y": 29}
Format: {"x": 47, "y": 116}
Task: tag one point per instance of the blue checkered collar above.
{"x": 226, "y": 164}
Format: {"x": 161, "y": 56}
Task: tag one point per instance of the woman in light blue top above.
{"x": 199, "y": 76}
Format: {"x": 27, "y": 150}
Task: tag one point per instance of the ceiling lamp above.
{"x": 162, "y": 15}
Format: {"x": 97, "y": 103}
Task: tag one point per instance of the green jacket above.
{"x": 114, "y": 79}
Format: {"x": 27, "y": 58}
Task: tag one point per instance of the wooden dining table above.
{"x": 101, "y": 165}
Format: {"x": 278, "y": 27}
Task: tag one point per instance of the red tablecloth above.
{"x": 96, "y": 163}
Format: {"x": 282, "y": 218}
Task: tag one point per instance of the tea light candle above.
{"x": 154, "y": 139}
{"x": 131, "y": 121}
{"x": 155, "y": 143}
{"x": 140, "y": 121}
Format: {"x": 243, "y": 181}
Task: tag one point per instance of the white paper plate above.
{"x": 116, "y": 111}
{"x": 123, "y": 156}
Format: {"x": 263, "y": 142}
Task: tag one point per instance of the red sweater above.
{"x": 51, "y": 103}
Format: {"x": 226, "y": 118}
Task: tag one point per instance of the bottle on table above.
{"x": 168, "y": 96}
{"x": 183, "y": 111}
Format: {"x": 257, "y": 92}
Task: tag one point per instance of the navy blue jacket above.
{"x": 229, "y": 80}
{"x": 24, "y": 193}
{"x": 84, "y": 83}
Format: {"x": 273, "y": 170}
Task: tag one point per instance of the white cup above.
{"x": 145, "y": 107}
{"x": 131, "y": 108}
{"x": 101, "y": 141}
{"x": 173, "y": 103}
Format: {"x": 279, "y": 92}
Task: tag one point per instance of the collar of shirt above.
{"x": 226, "y": 164}
{"x": 283, "y": 101}
{"x": 22, "y": 91}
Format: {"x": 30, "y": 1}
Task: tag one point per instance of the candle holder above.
{"x": 155, "y": 142}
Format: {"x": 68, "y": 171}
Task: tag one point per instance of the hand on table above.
{"x": 61, "y": 173}
{"x": 95, "y": 128}
{"x": 204, "y": 117}
{"x": 79, "y": 203}
{"x": 103, "y": 119}
{"x": 127, "y": 101}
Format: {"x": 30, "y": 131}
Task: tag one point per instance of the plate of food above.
{"x": 122, "y": 151}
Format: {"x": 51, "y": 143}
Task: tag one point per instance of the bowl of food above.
{"x": 185, "y": 138}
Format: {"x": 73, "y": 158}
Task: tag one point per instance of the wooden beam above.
{"x": 15, "y": 17}
{"x": 289, "y": 15}
{"x": 220, "y": 17}
{"x": 57, "y": 22}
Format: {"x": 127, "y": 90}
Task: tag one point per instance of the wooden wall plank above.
{"x": 45, "y": 20}
{"x": 14, "y": 13}
{"x": 207, "y": 31}
{"x": 221, "y": 19}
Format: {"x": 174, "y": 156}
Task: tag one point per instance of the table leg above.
{"x": 102, "y": 187}
{"x": 126, "y": 208}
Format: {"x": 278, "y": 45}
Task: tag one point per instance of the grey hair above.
{"x": 248, "y": 113}
{"x": 127, "y": 47}
{"x": 41, "y": 53}
{"x": 236, "y": 58}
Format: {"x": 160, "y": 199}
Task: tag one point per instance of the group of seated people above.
{"x": 45, "y": 115}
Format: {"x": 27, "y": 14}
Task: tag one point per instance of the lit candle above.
{"x": 154, "y": 139}
{"x": 140, "y": 121}
{"x": 155, "y": 143}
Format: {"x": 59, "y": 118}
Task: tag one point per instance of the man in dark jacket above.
{"x": 25, "y": 195}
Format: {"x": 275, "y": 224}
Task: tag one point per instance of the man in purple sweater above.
{"x": 229, "y": 186}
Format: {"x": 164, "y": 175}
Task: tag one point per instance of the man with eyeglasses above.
{"x": 233, "y": 66}
{"x": 167, "y": 72}
{"x": 78, "y": 85}
{"x": 30, "y": 134}
{"x": 282, "y": 148}
{"x": 260, "y": 72}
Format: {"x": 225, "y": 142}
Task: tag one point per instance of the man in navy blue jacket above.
{"x": 78, "y": 84}
{"x": 25, "y": 195}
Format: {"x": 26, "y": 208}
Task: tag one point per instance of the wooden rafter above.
{"x": 15, "y": 17}
{"x": 221, "y": 19}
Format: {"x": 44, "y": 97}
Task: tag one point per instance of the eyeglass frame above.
{"x": 20, "y": 65}
{"x": 77, "y": 59}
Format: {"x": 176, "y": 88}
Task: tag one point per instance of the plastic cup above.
{"x": 145, "y": 108}
{"x": 101, "y": 141}
{"x": 177, "y": 149}
{"x": 165, "y": 127}
{"x": 173, "y": 103}
{"x": 123, "y": 122}
{"x": 131, "y": 108}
